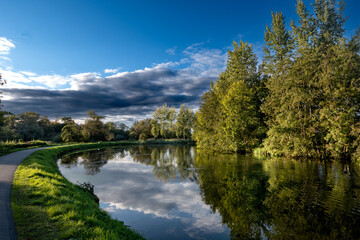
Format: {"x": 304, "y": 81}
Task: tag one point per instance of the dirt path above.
{"x": 8, "y": 166}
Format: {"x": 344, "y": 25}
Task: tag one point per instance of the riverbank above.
{"x": 14, "y": 146}
{"x": 47, "y": 206}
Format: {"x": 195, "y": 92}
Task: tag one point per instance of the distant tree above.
{"x": 94, "y": 129}
{"x": 184, "y": 122}
{"x": 155, "y": 128}
{"x": 7, "y": 126}
{"x": 28, "y": 127}
{"x": 71, "y": 132}
{"x": 163, "y": 122}
{"x": 141, "y": 129}
{"x": 119, "y": 131}
{"x": 67, "y": 120}
{"x": 48, "y": 128}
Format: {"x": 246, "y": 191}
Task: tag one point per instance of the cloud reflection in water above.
{"x": 158, "y": 208}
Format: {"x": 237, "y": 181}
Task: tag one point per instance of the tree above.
{"x": 229, "y": 117}
{"x": 119, "y": 131}
{"x": 28, "y": 127}
{"x": 71, "y": 132}
{"x": 312, "y": 106}
{"x": 240, "y": 117}
{"x": 48, "y": 128}
{"x": 163, "y": 122}
{"x": 208, "y": 131}
{"x": 7, "y": 126}
{"x": 141, "y": 129}
{"x": 94, "y": 129}
{"x": 184, "y": 122}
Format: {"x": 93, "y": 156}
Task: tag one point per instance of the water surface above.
{"x": 175, "y": 192}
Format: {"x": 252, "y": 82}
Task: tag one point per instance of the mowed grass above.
{"x": 47, "y": 206}
{"x": 14, "y": 146}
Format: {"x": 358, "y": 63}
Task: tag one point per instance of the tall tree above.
{"x": 240, "y": 106}
{"x": 28, "y": 127}
{"x": 163, "y": 121}
{"x": 313, "y": 84}
{"x": 184, "y": 122}
{"x": 118, "y": 130}
{"x": 208, "y": 130}
{"x": 229, "y": 116}
{"x": 141, "y": 129}
{"x": 71, "y": 132}
{"x": 48, "y": 128}
{"x": 94, "y": 129}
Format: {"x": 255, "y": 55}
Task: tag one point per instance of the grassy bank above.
{"x": 14, "y": 146}
{"x": 47, "y": 206}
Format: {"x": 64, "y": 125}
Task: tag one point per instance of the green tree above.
{"x": 48, "y": 128}
{"x": 312, "y": 106}
{"x": 229, "y": 117}
{"x": 94, "y": 129}
{"x": 184, "y": 122}
{"x": 240, "y": 117}
{"x": 7, "y": 126}
{"x": 71, "y": 132}
{"x": 163, "y": 122}
{"x": 28, "y": 127}
{"x": 208, "y": 131}
{"x": 119, "y": 131}
{"x": 141, "y": 129}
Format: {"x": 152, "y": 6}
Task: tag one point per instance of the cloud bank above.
{"x": 123, "y": 96}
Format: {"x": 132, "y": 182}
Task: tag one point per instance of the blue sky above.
{"x": 58, "y": 46}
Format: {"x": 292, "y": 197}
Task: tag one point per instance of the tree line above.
{"x": 167, "y": 122}
{"x": 31, "y": 126}
{"x": 303, "y": 100}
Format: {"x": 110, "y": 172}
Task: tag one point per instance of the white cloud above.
{"x": 171, "y": 51}
{"x": 52, "y": 81}
{"x": 165, "y": 65}
{"x": 30, "y": 74}
{"x": 5, "y": 46}
{"x": 109, "y": 70}
{"x": 206, "y": 62}
{"x": 11, "y": 76}
{"x": 80, "y": 80}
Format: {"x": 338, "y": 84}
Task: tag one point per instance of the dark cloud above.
{"x": 134, "y": 93}
{"x": 124, "y": 95}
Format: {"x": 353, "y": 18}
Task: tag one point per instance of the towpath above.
{"x": 8, "y": 166}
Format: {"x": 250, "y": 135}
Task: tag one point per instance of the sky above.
{"x": 124, "y": 59}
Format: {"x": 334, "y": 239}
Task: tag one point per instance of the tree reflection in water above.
{"x": 236, "y": 187}
{"x": 167, "y": 162}
{"x": 282, "y": 199}
{"x": 92, "y": 161}
{"x": 257, "y": 199}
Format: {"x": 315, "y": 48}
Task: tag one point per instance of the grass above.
{"x": 47, "y": 206}
{"x": 14, "y": 146}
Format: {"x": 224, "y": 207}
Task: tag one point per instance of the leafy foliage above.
{"x": 314, "y": 75}
{"x": 229, "y": 118}
{"x": 305, "y": 94}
